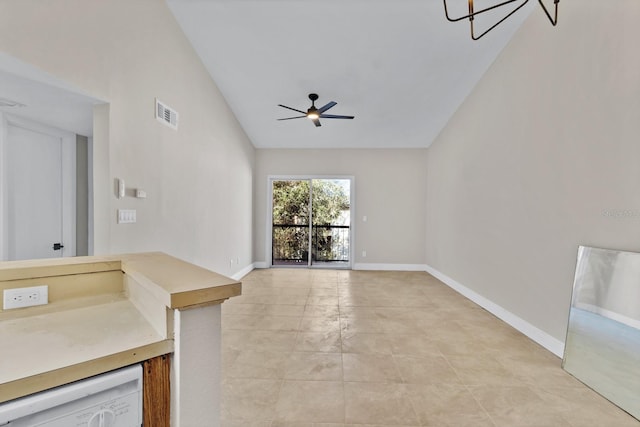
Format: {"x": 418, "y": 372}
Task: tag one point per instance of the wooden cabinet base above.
{"x": 156, "y": 396}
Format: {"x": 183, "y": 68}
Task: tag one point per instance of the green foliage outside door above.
{"x": 310, "y": 216}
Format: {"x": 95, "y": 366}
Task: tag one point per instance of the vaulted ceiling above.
{"x": 398, "y": 66}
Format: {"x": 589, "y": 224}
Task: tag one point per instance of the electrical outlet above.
{"x": 364, "y": 254}
{"x": 25, "y": 297}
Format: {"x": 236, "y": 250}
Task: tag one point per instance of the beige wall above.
{"x": 390, "y": 191}
{"x": 198, "y": 179}
{"x": 542, "y": 157}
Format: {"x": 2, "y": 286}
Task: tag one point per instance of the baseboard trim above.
{"x": 620, "y": 318}
{"x": 552, "y": 344}
{"x": 240, "y": 274}
{"x": 389, "y": 267}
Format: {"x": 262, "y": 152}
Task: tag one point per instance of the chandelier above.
{"x": 473, "y": 13}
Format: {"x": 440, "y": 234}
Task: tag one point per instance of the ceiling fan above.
{"x": 315, "y": 114}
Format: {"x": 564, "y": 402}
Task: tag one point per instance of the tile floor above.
{"x": 338, "y": 348}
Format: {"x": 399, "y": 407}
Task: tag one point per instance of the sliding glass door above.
{"x": 311, "y": 222}
{"x": 291, "y": 221}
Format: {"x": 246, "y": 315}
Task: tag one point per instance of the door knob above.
{"x": 102, "y": 418}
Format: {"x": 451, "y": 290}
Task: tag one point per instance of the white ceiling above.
{"x": 44, "y": 98}
{"x": 398, "y": 65}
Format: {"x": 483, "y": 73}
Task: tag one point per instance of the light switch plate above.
{"x": 126, "y": 216}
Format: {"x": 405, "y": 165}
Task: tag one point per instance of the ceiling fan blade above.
{"x": 331, "y": 116}
{"x": 326, "y": 107}
{"x": 316, "y": 122}
{"x": 299, "y": 111}
{"x": 290, "y": 118}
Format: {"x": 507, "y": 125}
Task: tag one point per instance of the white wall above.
{"x": 198, "y": 179}
{"x": 542, "y": 157}
{"x": 390, "y": 191}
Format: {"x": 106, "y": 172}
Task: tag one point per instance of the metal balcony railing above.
{"x": 329, "y": 243}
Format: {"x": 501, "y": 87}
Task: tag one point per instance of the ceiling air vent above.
{"x": 166, "y": 114}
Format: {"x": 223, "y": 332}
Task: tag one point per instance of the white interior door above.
{"x": 38, "y": 191}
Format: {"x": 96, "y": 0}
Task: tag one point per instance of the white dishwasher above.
{"x": 113, "y": 399}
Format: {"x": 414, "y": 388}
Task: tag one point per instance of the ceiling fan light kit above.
{"x": 315, "y": 114}
{"x": 473, "y": 13}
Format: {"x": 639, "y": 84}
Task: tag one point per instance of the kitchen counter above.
{"x": 104, "y": 313}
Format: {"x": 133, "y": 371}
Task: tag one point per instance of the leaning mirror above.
{"x": 602, "y": 348}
